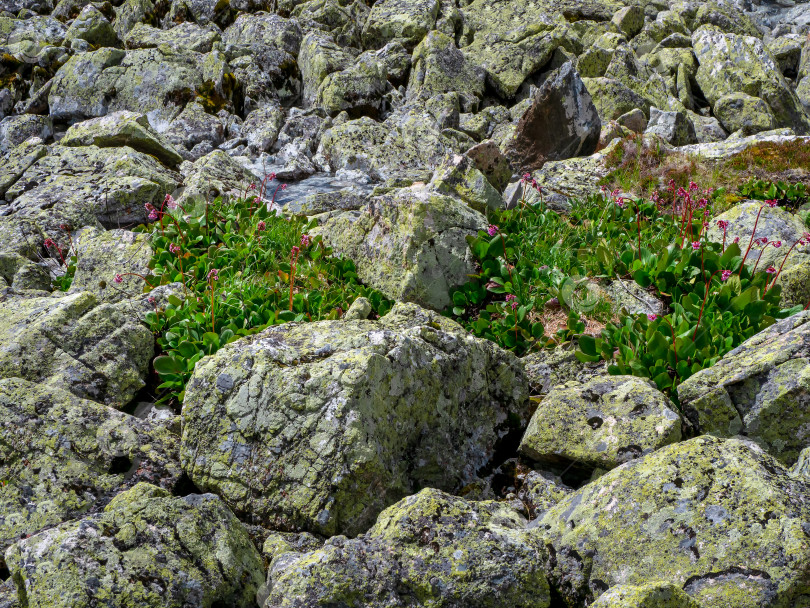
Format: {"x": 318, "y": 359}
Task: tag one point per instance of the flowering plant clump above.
{"x": 242, "y": 268}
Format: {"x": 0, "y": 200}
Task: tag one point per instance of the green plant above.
{"x": 242, "y": 269}
{"x": 791, "y": 196}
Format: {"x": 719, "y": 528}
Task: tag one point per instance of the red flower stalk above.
{"x": 805, "y": 238}
{"x": 705, "y": 297}
{"x": 51, "y": 244}
{"x": 751, "y": 241}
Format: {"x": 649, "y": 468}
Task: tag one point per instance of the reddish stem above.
{"x": 767, "y": 287}
{"x": 702, "y": 306}
{"x": 750, "y": 242}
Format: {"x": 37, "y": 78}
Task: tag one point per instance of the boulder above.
{"x": 320, "y": 426}
{"x": 99, "y": 452}
{"x": 718, "y": 518}
{"x": 132, "y": 12}
{"x": 342, "y": 20}
{"x": 439, "y": 548}
{"x": 358, "y": 89}
{"x": 405, "y": 20}
{"x": 744, "y": 113}
{"x": 629, "y": 20}
{"x": 88, "y": 185}
{"x": 101, "y": 255}
{"x": 18, "y": 160}
{"x": 459, "y": 177}
{"x": 20, "y": 273}
{"x": 600, "y": 424}
{"x": 262, "y": 126}
{"x": 489, "y": 160}
{"x": 648, "y": 595}
{"x": 320, "y": 56}
{"x": 561, "y": 122}
{"x": 96, "y": 351}
{"x": 122, "y": 128}
{"x": 21, "y": 236}
{"x": 760, "y": 389}
{"x": 215, "y": 174}
{"x": 673, "y": 127}
{"x": 707, "y": 128}
{"x": 195, "y": 132}
{"x": 166, "y": 551}
{"x": 439, "y": 67}
{"x": 548, "y": 368}
{"x": 14, "y": 130}
{"x": 92, "y": 26}
{"x": 184, "y": 36}
{"x": 614, "y": 99}
{"x": 410, "y": 244}
{"x": 730, "y": 63}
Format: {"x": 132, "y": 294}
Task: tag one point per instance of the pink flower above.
{"x": 702, "y": 203}
{"x": 153, "y": 215}
{"x": 252, "y": 187}
{"x": 526, "y": 177}
{"x": 772, "y": 203}
{"x": 651, "y": 316}
{"x": 118, "y": 278}
{"x": 695, "y": 245}
{"x": 770, "y": 270}
{"x": 725, "y": 275}
{"x": 615, "y": 193}
{"x": 64, "y": 227}
{"x": 722, "y": 224}
{"x": 762, "y": 240}
{"x": 175, "y": 249}
{"x": 50, "y": 244}
{"x": 736, "y": 239}
{"x": 306, "y": 240}
{"x": 283, "y": 186}
{"x": 295, "y": 251}
{"x": 213, "y": 274}
{"x": 151, "y": 300}
{"x": 510, "y": 297}
{"x": 620, "y": 202}
{"x": 682, "y": 191}
{"x": 693, "y": 186}
{"x": 261, "y": 226}
{"x": 170, "y": 202}
{"x": 492, "y": 230}
{"x": 776, "y": 244}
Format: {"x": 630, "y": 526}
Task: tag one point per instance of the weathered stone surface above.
{"x": 478, "y": 554}
{"x": 262, "y": 126}
{"x": 741, "y": 112}
{"x": 308, "y": 426}
{"x": 215, "y": 174}
{"x": 195, "y": 132}
{"x": 358, "y": 89}
{"x": 101, "y": 255}
{"x": 22, "y": 236}
{"x": 320, "y": 56}
{"x": 546, "y": 369}
{"x": 707, "y": 128}
{"x": 730, "y": 63}
{"x": 122, "y": 128}
{"x": 673, "y": 127}
{"x": 344, "y": 21}
{"x": 613, "y": 99}
{"x": 760, "y": 389}
{"x": 439, "y": 67}
{"x": 629, "y": 20}
{"x": 630, "y": 296}
{"x": 459, "y": 177}
{"x": 561, "y": 122}
{"x": 410, "y": 244}
{"x": 64, "y": 456}
{"x": 91, "y": 25}
{"x": 82, "y": 186}
{"x": 18, "y": 160}
{"x": 601, "y": 424}
{"x": 184, "y": 36}
{"x": 132, "y": 12}
{"x": 14, "y": 130}
{"x": 490, "y": 161}
{"x": 96, "y": 351}
{"x": 21, "y": 273}
{"x": 718, "y": 518}
{"x": 406, "y": 20}
{"x": 649, "y": 595}
{"x": 146, "y": 546}
{"x": 726, "y": 149}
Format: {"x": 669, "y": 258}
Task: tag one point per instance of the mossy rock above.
{"x": 92, "y": 26}
{"x": 406, "y": 20}
{"x": 320, "y": 56}
{"x": 744, "y": 113}
{"x": 439, "y": 67}
{"x": 147, "y": 549}
{"x": 760, "y": 389}
{"x": 69, "y": 456}
{"x": 458, "y": 176}
{"x": 614, "y": 99}
{"x": 320, "y": 426}
{"x": 184, "y": 36}
{"x": 358, "y": 89}
{"x": 430, "y": 549}
{"x": 717, "y": 517}
{"x": 18, "y": 160}
{"x": 649, "y": 595}
{"x": 215, "y": 174}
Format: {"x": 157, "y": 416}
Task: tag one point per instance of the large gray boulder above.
{"x": 718, "y": 518}
{"x": 410, "y": 244}
{"x": 321, "y": 426}
{"x": 561, "y": 122}
{"x": 406, "y": 20}
{"x": 760, "y": 389}
{"x": 99, "y": 452}
{"x": 439, "y": 67}
{"x": 440, "y": 548}
{"x": 167, "y": 552}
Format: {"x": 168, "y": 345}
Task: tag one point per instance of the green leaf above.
{"x": 165, "y": 365}
{"x": 587, "y": 344}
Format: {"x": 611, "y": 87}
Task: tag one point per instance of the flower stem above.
{"x": 750, "y": 241}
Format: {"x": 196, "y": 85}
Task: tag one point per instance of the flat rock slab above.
{"x": 602, "y": 423}
{"x": 321, "y": 426}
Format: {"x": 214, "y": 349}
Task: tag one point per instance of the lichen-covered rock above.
{"x": 358, "y": 89}
{"x": 630, "y": 296}
{"x": 342, "y": 20}
{"x": 64, "y": 456}
{"x": 801, "y": 470}
{"x": 430, "y": 549}
{"x": 96, "y": 351}
{"x": 490, "y": 161}
{"x": 21, "y": 273}
{"x": 156, "y": 82}
{"x": 14, "y": 130}
{"x": 730, "y": 63}
{"x": 319, "y": 56}
{"x": 22, "y": 236}
{"x": 648, "y": 595}
{"x": 18, "y": 160}
{"x": 262, "y": 126}
{"x": 761, "y": 389}
{"x": 91, "y": 25}
{"x": 406, "y": 20}
{"x": 546, "y": 369}
{"x": 600, "y": 424}
{"x": 732, "y": 147}
{"x": 265, "y": 29}
{"x": 439, "y": 67}
{"x": 458, "y": 176}
{"x": 626, "y": 68}
{"x": 718, "y": 518}
{"x": 629, "y": 20}
{"x": 132, "y": 12}
{"x": 185, "y": 36}
{"x": 741, "y": 112}
{"x": 215, "y": 174}
{"x": 82, "y": 186}
{"x": 321, "y": 426}
{"x": 613, "y": 98}
{"x": 410, "y": 244}
{"x": 707, "y": 128}
{"x": 147, "y": 548}
{"x": 122, "y": 128}
{"x": 561, "y": 122}
{"x": 673, "y": 127}
{"x": 101, "y": 255}
{"x": 195, "y": 132}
